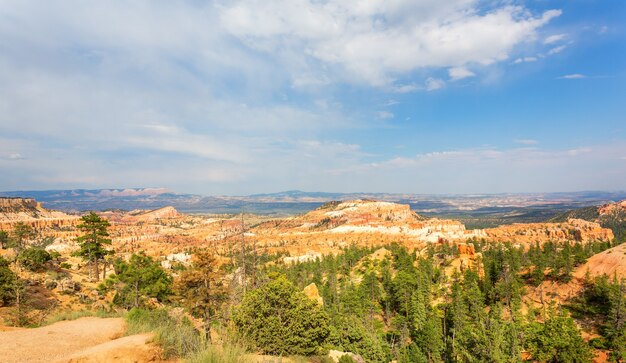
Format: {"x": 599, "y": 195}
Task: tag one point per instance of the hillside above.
{"x": 611, "y": 263}
{"x": 610, "y": 215}
{"x": 31, "y": 212}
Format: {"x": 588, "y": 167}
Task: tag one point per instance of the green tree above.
{"x": 21, "y": 233}
{"x": 201, "y": 290}
{"x": 4, "y": 239}
{"x": 93, "y": 241}
{"x": 139, "y": 278}
{"x": 8, "y": 279}
{"x": 557, "y": 340}
{"x": 279, "y": 319}
{"x": 34, "y": 259}
{"x": 616, "y": 320}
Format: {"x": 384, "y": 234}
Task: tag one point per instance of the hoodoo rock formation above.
{"x": 572, "y": 230}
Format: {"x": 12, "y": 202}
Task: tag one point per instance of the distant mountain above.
{"x": 475, "y": 210}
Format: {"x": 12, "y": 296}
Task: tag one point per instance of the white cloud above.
{"x": 573, "y": 76}
{"x": 14, "y": 156}
{"x": 384, "y": 115}
{"x": 554, "y": 38}
{"x": 378, "y": 41}
{"x": 557, "y": 50}
{"x": 526, "y": 141}
{"x": 525, "y": 60}
{"x": 458, "y": 73}
{"x": 433, "y": 84}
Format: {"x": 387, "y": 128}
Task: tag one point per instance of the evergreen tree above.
{"x": 8, "y": 280}
{"x": 4, "y": 239}
{"x": 557, "y": 340}
{"x": 279, "y": 319}
{"x": 201, "y": 290}
{"x": 93, "y": 241}
{"x": 139, "y": 278}
{"x": 21, "y": 233}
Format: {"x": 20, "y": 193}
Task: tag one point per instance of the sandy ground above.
{"x": 60, "y": 341}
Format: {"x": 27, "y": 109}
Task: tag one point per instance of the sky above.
{"x": 253, "y": 96}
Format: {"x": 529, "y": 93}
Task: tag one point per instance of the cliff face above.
{"x": 571, "y": 230}
{"x": 29, "y": 211}
{"x": 612, "y": 208}
{"x": 17, "y": 205}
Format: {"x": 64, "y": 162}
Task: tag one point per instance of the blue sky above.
{"x": 250, "y": 96}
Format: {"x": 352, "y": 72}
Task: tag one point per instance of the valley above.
{"x": 327, "y": 253}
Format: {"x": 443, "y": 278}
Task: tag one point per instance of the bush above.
{"x": 34, "y": 259}
{"x": 279, "y": 319}
{"x": 346, "y": 359}
{"x": 7, "y": 282}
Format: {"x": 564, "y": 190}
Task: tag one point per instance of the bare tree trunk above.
{"x": 136, "y": 294}
{"x": 97, "y": 270}
{"x": 207, "y": 327}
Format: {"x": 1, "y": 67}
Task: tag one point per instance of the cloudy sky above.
{"x": 248, "y": 96}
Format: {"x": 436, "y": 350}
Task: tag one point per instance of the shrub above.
{"x": 346, "y": 359}
{"x": 34, "y": 259}
{"x": 279, "y": 319}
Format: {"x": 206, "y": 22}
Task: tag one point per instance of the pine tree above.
{"x": 557, "y": 340}
{"x": 4, "y": 239}
{"x": 201, "y": 290}
{"x": 93, "y": 241}
{"x": 139, "y": 278}
{"x": 21, "y": 233}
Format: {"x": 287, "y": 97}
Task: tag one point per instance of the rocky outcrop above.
{"x": 572, "y": 230}
{"x": 611, "y": 262}
{"x": 30, "y": 212}
{"x": 16, "y": 205}
{"x": 153, "y": 215}
{"x": 612, "y": 208}
{"x": 313, "y": 293}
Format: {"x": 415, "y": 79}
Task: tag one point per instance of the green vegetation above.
{"x": 77, "y": 314}
{"x": 137, "y": 281}
{"x": 201, "y": 290}
{"x": 34, "y": 259}
{"x": 4, "y": 239}
{"x": 557, "y": 340}
{"x": 21, "y": 233}
{"x": 8, "y": 279}
{"x": 177, "y": 337}
{"x": 279, "y": 319}
{"x": 93, "y": 241}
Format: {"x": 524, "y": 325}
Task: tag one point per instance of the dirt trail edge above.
{"x": 81, "y": 340}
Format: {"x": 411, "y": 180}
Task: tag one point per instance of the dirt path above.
{"x": 58, "y": 341}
